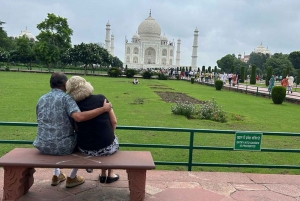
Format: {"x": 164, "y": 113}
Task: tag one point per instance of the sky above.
{"x": 225, "y": 26}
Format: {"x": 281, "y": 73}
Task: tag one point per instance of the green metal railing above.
{"x": 190, "y": 147}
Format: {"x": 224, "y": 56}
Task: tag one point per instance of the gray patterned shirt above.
{"x": 55, "y": 133}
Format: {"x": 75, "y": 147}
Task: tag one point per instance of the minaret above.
{"x": 112, "y": 47}
{"x": 107, "y": 39}
{"x": 195, "y": 47}
{"x": 178, "y": 53}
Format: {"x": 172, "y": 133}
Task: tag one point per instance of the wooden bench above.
{"x": 19, "y": 167}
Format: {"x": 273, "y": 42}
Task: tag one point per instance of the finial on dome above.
{"x": 150, "y": 13}
{"x": 260, "y": 43}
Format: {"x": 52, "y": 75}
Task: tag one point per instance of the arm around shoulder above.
{"x": 87, "y": 115}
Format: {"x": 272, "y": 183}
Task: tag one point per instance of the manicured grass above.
{"x": 21, "y": 91}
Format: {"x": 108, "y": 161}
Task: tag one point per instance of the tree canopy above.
{"x": 294, "y": 57}
{"x": 279, "y": 63}
{"x": 53, "y": 40}
{"x": 259, "y": 60}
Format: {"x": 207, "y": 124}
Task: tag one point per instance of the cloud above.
{"x": 225, "y": 26}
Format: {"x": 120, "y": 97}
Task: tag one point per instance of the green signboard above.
{"x": 247, "y": 141}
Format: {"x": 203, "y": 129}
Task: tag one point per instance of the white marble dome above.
{"x": 149, "y": 28}
{"x": 26, "y": 33}
{"x": 136, "y": 36}
{"x": 163, "y": 38}
{"x": 262, "y": 50}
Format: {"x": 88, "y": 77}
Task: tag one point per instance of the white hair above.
{"x": 79, "y": 88}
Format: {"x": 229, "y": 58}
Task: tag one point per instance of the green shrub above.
{"x": 186, "y": 109}
{"x": 211, "y": 111}
{"x": 130, "y": 73}
{"x": 278, "y": 94}
{"x": 114, "y": 72}
{"x": 162, "y": 76}
{"x": 192, "y": 80}
{"x": 219, "y": 84}
{"x": 147, "y": 74}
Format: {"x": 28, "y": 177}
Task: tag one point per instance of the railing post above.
{"x": 191, "y": 149}
{"x": 256, "y": 91}
{"x": 246, "y": 88}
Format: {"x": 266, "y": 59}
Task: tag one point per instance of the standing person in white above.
{"x": 291, "y": 82}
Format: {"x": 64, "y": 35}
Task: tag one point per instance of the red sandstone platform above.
{"x": 170, "y": 186}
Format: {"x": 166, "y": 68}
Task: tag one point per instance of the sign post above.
{"x": 247, "y": 141}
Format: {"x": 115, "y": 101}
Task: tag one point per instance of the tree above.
{"x": 259, "y": 60}
{"x": 237, "y": 66}
{"x": 209, "y": 69}
{"x": 53, "y": 40}
{"x": 294, "y": 57}
{"x": 5, "y": 42}
{"x": 116, "y": 62}
{"x": 226, "y": 62}
{"x": 269, "y": 74}
{"x": 92, "y": 55}
{"x": 242, "y": 74}
{"x": 203, "y": 69}
{"x": 24, "y": 51}
{"x": 47, "y": 53}
{"x": 279, "y": 62}
{"x": 4, "y": 55}
{"x": 298, "y": 77}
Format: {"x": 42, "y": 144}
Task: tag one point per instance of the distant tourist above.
{"x": 271, "y": 83}
{"x": 135, "y": 81}
{"x": 284, "y": 82}
{"x": 290, "y": 83}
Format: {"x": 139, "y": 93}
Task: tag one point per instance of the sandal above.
{"x": 112, "y": 179}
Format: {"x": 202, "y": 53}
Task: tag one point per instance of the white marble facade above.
{"x": 149, "y": 48}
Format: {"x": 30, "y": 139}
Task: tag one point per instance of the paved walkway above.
{"x": 262, "y": 91}
{"x": 170, "y": 186}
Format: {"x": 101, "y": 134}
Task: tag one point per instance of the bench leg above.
{"x": 137, "y": 184}
{"x": 17, "y": 182}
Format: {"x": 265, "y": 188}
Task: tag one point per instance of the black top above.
{"x": 96, "y": 133}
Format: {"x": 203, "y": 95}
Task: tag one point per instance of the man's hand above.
{"x": 107, "y": 106}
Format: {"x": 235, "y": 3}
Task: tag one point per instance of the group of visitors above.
{"x": 231, "y": 78}
{"x": 288, "y": 83}
{"x": 75, "y": 121}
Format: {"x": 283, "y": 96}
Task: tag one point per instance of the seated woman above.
{"x": 95, "y": 137}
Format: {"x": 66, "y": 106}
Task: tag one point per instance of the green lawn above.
{"x": 20, "y": 93}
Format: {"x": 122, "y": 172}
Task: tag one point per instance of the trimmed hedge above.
{"x": 278, "y": 94}
{"x": 219, "y": 84}
{"x": 130, "y": 73}
{"x": 114, "y": 72}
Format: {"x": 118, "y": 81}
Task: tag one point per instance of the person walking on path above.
{"x": 290, "y": 80}
{"x": 284, "y": 82}
{"x": 56, "y": 112}
{"x": 271, "y": 83}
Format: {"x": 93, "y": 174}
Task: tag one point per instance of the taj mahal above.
{"x": 148, "y": 48}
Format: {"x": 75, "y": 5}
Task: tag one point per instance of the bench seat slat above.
{"x": 31, "y": 157}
